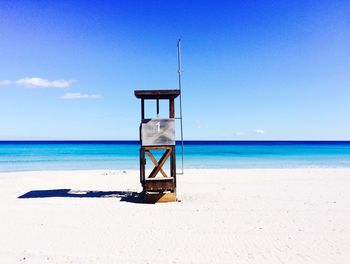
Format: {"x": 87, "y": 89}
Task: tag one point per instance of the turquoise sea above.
{"x": 122, "y": 155}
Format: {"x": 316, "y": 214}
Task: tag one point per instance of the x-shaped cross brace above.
{"x": 158, "y": 164}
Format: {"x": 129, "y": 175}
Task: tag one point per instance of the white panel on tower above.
{"x": 158, "y": 132}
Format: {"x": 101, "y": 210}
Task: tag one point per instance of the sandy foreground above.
{"x": 225, "y": 216}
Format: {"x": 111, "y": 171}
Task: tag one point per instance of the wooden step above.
{"x": 159, "y": 184}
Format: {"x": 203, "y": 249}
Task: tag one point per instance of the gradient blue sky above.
{"x": 252, "y": 69}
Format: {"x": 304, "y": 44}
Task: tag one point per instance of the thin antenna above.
{"x": 179, "y": 72}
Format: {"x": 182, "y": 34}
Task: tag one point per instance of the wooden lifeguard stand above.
{"x": 158, "y": 134}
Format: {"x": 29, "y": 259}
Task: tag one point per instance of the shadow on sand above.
{"x": 126, "y": 196}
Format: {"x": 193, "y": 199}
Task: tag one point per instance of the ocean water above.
{"x": 123, "y": 155}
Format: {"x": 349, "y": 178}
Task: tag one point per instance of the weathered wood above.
{"x": 160, "y": 179}
{"x": 160, "y": 163}
{"x": 155, "y": 162}
{"x": 157, "y": 107}
{"x": 158, "y": 189}
{"x": 157, "y": 147}
{"x": 158, "y": 132}
{"x": 159, "y": 184}
{"x": 171, "y": 108}
{"x": 160, "y": 197}
{"x": 157, "y": 94}
{"x": 142, "y": 109}
{"x": 142, "y": 165}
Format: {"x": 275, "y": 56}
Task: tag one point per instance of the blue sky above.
{"x": 253, "y": 70}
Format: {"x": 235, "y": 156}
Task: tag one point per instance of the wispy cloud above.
{"x": 259, "y": 131}
{"x": 5, "y": 82}
{"x": 238, "y": 133}
{"x": 71, "y": 96}
{"x": 37, "y": 82}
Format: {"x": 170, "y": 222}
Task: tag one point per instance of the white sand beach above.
{"x": 225, "y": 216}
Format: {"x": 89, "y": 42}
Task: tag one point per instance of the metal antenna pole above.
{"x": 179, "y": 72}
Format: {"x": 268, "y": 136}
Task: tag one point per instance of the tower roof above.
{"x": 157, "y": 94}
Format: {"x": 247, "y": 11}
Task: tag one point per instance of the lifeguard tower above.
{"x": 158, "y": 134}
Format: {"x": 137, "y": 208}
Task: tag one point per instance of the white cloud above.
{"x": 238, "y": 133}
{"x": 259, "y": 131}
{"x": 69, "y": 96}
{"x": 36, "y": 82}
{"x": 5, "y": 82}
